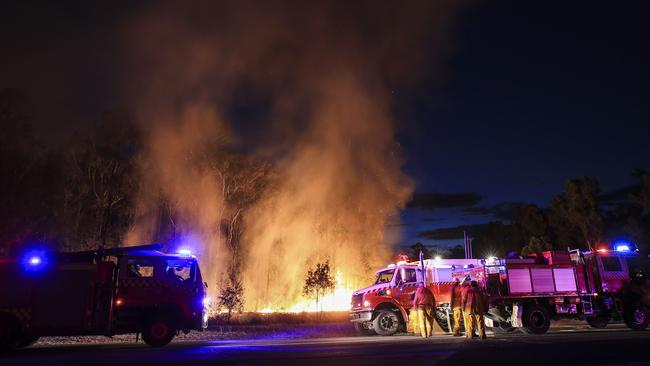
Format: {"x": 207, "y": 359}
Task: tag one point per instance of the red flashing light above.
{"x": 602, "y": 250}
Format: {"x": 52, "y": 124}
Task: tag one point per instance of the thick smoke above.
{"x": 326, "y": 73}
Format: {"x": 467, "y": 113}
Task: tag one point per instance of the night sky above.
{"x": 533, "y": 93}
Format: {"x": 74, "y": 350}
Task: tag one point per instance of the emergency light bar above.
{"x": 185, "y": 252}
{"x": 622, "y": 248}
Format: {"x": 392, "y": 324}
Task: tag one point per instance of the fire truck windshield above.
{"x": 385, "y": 276}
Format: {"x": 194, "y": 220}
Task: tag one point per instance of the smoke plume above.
{"x": 325, "y": 73}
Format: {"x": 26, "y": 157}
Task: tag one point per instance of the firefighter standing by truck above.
{"x": 455, "y": 304}
{"x": 423, "y": 302}
{"x": 480, "y": 298}
{"x": 466, "y": 305}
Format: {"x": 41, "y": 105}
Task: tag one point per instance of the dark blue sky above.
{"x": 535, "y": 93}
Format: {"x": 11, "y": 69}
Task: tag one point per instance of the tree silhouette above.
{"x": 318, "y": 281}
{"x": 231, "y": 297}
{"x": 577, "y": 209}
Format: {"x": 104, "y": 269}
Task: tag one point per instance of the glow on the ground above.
{"x": 337, "y": 300}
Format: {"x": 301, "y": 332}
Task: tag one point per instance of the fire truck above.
{"x": 104, "y": 292}
{"x": 523, "y": 293}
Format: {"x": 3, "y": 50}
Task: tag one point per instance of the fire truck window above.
{"x": 612, "y": 264}
{"x": 139, "y": 268}
{"x": 408, "y": 275}
{"x": 385, "y": 276}
{"x": 179, "y": 269}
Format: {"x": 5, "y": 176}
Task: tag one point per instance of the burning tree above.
{"x": 231, "y": 297}
{"x": 318, "y": 281}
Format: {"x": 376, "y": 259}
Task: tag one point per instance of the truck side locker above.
{"x": 61, "y": 300}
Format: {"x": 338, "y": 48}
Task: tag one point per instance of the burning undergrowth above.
{"x": 322, "y": 173}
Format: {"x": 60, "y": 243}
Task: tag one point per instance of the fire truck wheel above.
{"x": 637, "y": 317}
{"x": 535, "y": 319}
{"x": 158, "y": 332}
{"x": 598, "y": 322}
{"x": 386, "y": 323}
{"x": 503, "y": 327}
{"x": 362, "y": 330}
{"x": 9, "y": 329}
{"x": 441, "y": 319}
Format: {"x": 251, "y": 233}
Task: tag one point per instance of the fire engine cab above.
{"x": 525, "y": 293}
{"x": 104, "y": 292}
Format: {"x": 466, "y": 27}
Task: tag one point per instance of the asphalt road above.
{"x": 617, "y": 346}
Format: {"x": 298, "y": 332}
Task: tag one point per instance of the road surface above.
{"x": 617, "y": 346}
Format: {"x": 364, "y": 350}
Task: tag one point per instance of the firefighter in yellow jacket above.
{"x": 474, "y": 308}
{"x": 456, "y": 306}
{"x": 423, "y": 302}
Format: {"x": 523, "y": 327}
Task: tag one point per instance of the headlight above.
{"x": 366, "y": 303}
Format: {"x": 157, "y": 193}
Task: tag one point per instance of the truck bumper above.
{"x": 361, "y": 316}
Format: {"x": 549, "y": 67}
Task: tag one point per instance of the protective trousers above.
{"x": 470, "y": 325}
{"x": 424, "y": 318}
{"x": 458, "y": 315}
{"x": 479, "y": 321}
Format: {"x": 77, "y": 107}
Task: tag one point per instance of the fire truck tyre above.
{"x": 441, "y": 319}
{"x": 386, "y": 323}
{"x": 158, "y": 332}
{"x": 9, "y": 330}
{"x": 362, "y": 330}
{"x": 502, "y": 327}
{"x": 26, "y": 341}
{"x": 535, "y": 319}
{"x": 637, "y": 317}
{"x": 598, "y": 322}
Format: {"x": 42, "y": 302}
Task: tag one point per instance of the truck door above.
{"x": 405, "y": 286}
{"x": 137, "y": 285}
{"x": 613, "y": 272}
{"x": 180, "y": 283}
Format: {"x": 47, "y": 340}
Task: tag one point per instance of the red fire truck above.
{"x": 104, "y": 292}
{"x": 524, "y": 293}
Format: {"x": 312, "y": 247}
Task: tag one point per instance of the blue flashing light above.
{"x": 34, "y": 261}
{"x": 185, "y": 252}
{"x": 622, "y": 248}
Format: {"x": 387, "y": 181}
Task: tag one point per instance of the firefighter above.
{"x": 480, "y": 308}
{"x": 456, "y": 308}
{"x": 467, "y": 304}
{"x": 423, "y": 302}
